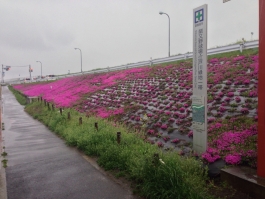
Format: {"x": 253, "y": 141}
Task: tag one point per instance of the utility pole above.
{"x": 30, "y": 73}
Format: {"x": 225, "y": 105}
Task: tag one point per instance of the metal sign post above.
{"x": 261, "y": 92}
{"x": 199, "y": 98}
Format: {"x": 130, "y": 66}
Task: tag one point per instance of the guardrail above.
{"x": 212, "y": 51}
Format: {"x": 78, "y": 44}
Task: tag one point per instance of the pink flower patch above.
{"x": 233, "y": 159}
{"x": 164, "y": 127}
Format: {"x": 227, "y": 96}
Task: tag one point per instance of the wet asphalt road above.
{"x": 41, "y": 166}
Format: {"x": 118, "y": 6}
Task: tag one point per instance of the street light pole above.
{"x": 168, "y": 31}
{"x": 2, "y": 74}
{"x": 40, "y": 69}
{"x": 81, "y": 57}
{"x": 30, "y": 73}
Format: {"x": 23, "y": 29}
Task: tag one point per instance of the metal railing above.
{"x": 212, "y": 51}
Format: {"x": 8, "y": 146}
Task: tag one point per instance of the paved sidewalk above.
{"x": 40, "y": 165}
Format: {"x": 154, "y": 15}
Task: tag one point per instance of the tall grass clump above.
{"x": 168, "y": 176}
{"x": 20, "y": 98}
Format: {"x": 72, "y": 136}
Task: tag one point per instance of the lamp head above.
{"x": 161, "y": 13}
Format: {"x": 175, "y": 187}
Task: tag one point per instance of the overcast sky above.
{"x": 110, "y": 32}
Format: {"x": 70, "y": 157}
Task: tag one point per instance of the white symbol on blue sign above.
{"x": 199, "y": 16}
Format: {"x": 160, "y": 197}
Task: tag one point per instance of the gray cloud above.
{"x": 26, "y": 30}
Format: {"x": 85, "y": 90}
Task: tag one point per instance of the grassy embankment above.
{"x": 253, "y": 51}
{"x": 19, "y": 96}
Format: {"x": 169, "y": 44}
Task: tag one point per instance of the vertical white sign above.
{"x": 199, "y": 99}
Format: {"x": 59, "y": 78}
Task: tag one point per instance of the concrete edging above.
{"x": 3, "y": 189}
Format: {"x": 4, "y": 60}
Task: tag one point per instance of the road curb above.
{"x": 125, "y": 184}
{"x": 3, "y": 190}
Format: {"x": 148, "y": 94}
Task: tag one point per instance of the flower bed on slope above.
{"x": 158, "y": 100}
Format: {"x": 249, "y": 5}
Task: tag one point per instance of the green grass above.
{"x": 253, "y": 51}
{"x": 20, "y": 97}
{"x": 178, "y": 177}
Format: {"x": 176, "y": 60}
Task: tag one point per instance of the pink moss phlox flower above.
{"x": 149, "y": 115}
{"x": 168, "y": 113}
{"x": 222, "y": 109}
{"x": 176, "y": 140}
{"x": 190, "y": 134}
{"x": 103, "y": 113}
{"x": 244, "y": 110}
{"x": 242, "y": 90}
{"x": 151, "y": 131}
{"x": 168, "y": 107}
{"x": 160, "y": 144}
{"x": 239, "y": 58}
{"x": 233, "y": 159}
{"x": 164, "y": 127}
{"x": 253, "y": 93}
{"x": 250, "y": 154}
{"x": 228, "y": 99}
{"x": 217, "y": 98}
{"x": 221, "y": 94}
{"x": 171, "y": 120}
{"x": 158, "y": 124}
{"x": 210, "y": 120}
{"x": 228, "y": 82}
{"x": 166, "y": 138}
{"x": 178, "y": 122}
{"x": 211, "y": 155}
{"x": 210, "y": 158}
{"x": 182, "y": 116}
{"x": 246, "y": 82}
{"x": 238, "y": 99}
{"x": 214, "y": 60}
{"x": 218, "y": 125}
{"x": 137, "y": 118}
{"x": 156, "y": 117}
{"x": 229, "y": 138}
{"x": 182, "y": 110}
{"x": 230, "y": 94}
{"x": 65, "y": 92}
